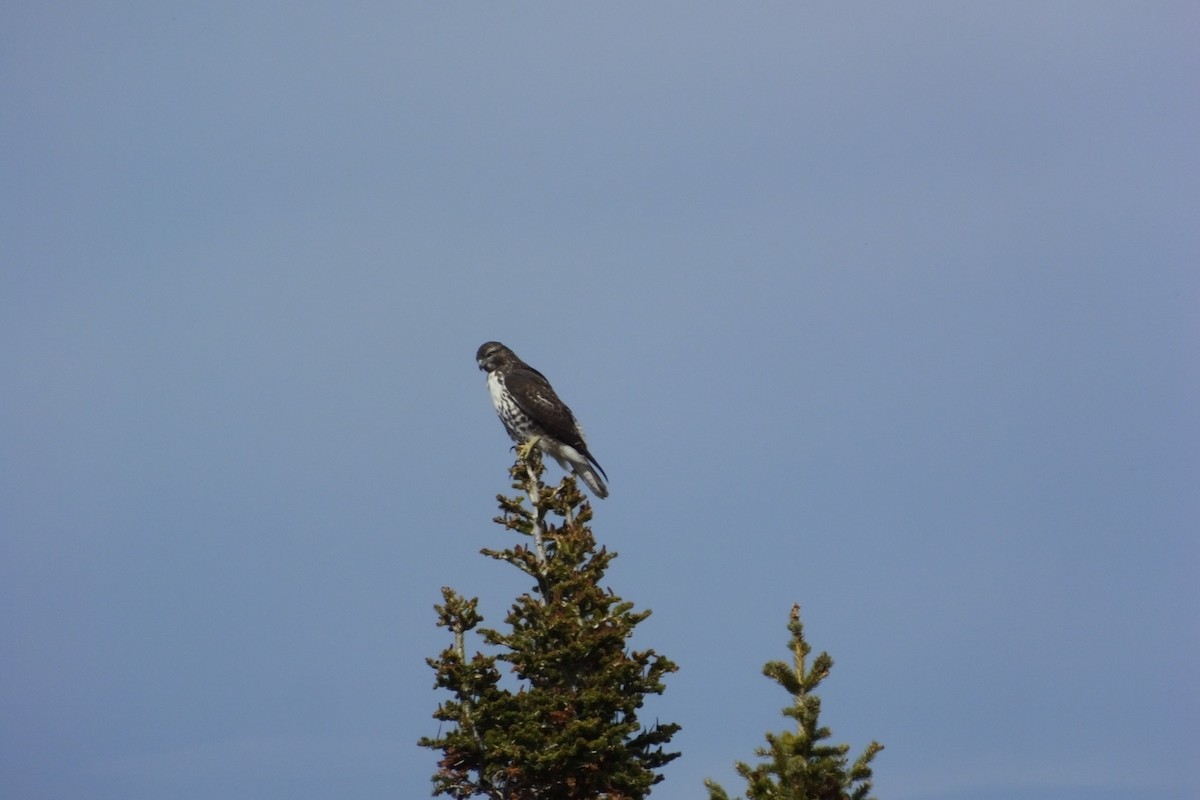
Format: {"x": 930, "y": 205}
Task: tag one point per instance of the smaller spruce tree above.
{"x": 801, "y": 765}
{"x": 570, "y": 729}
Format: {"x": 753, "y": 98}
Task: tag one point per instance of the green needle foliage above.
{"x": 800, "y": 765}
{"x": 570, "y": 728}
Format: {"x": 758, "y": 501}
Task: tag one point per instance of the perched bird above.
{"x": 534, "y": 416}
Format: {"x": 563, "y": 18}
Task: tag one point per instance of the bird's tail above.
{"x": 582, "y": 465}
{"x": 589, "y": 476}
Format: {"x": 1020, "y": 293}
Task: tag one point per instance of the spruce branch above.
{"x": 801, "y": 764}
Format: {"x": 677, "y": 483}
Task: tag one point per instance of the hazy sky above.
{"x": 887, "y": 309}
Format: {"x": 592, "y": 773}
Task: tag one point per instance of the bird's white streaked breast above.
{"x": 495, "y": 391}
{"x": 515, "y": 421}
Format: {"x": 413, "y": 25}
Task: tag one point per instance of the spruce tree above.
{"x": 569, "y": 728}
{"x": 801, "y": 765}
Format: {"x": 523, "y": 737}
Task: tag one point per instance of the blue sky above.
{"x": 889, "y": 310}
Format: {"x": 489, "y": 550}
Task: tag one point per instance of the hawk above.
{"x": 533, "y": 415}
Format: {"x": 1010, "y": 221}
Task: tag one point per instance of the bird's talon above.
{"x": 525, "y": 448}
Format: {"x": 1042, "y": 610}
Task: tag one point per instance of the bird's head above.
{"x": 492, "y": 355}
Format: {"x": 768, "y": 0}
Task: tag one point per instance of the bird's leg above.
{"x": 526, "y": 447}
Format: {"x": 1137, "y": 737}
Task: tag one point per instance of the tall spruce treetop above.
{"x": 568, "y": 729}
{"x": 800, "y": 765}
